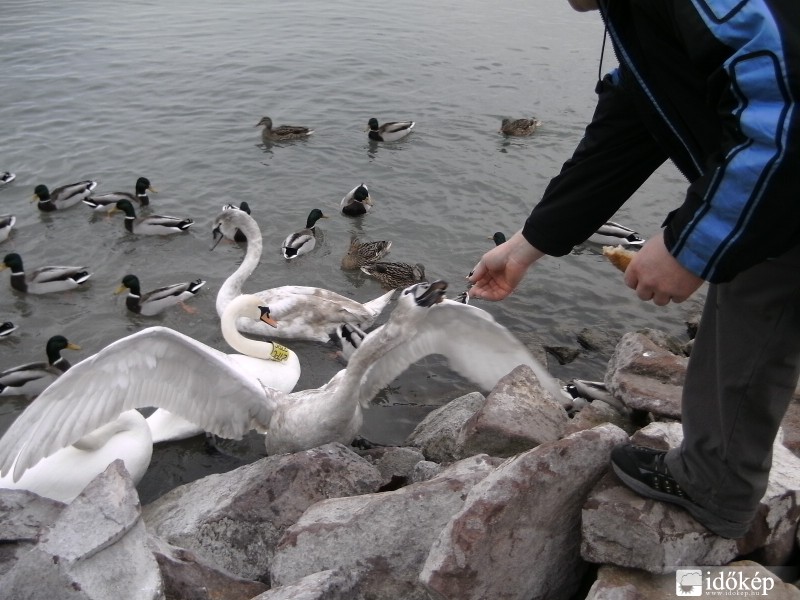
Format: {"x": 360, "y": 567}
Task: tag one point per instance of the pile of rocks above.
{"x": 503, "y": 496}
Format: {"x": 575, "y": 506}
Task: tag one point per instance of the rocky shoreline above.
{"x": 503, "y": 496}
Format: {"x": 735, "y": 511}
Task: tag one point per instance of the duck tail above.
{"x": 195, "y": 286}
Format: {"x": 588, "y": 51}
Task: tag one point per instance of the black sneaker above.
{"x": 643, "y": 470}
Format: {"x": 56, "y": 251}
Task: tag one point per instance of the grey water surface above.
{"x": 172, "y": 91}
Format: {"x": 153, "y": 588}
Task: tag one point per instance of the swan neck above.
{"x": 240, "y": 343}
{"x": 233, "y": 284}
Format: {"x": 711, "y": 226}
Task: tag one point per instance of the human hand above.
{"x": 501, "y": 269}
{"x": 656, "y": 275}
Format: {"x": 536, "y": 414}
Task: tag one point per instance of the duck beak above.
{"x": 152, "y": 190}
{"x": 433, "y": 295}
{"x": 121, "y": 288}
{"x": 72, "y": 346}
{"x": 34, "y": 198}
{"x": 265, "y": 318}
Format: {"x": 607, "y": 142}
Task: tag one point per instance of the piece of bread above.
{"x": 619, "y": 256}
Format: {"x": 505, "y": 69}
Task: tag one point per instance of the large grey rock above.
{"x": 646, "y": 377}
{"x": 187, "y": 576}
{"x": 395, "y": 464}
{"x": 622, "y": 528}
{"x": 518, "y": 415}
{"x": 335, "y": 584}
{"x": 518, "y": 533}
{"x": 383, "y": 537}
{"x": 23, "y": 516}
{"x": 96, "y": 547}
{"x": 437, "y": 433}
{"x": 233, "y": 520}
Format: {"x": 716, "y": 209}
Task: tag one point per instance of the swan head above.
{"x": 425, "y": 294}
{"x": 229, "y": 220}
{"x": 250, "y": 307}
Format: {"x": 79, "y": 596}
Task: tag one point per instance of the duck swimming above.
{"x": 423, "y": 323}
{"x": 393, "y": 275}
{"x": 63, "y": 196}
{"x": 7, "y": 328}
{"x": 613, "y": 234}
{"x": 388, "y": 132}
{"x": 356, "y": 202}
{"x": 281, "y": 132}
{"x": 106, "y": 203}
{"x": 519, "y": 127}
{"x": 157, "y": 300}
{"x": 30, "y": 379}
{"x": 364, "y": 253}
{"x": 7, "y": 177}
{"x": 152, "y": 224}
{"x": 303, "y": 312}
{"x": 44, "y": 280}
{"x": 303, "y": 241}
{"x": 7, "y": 222}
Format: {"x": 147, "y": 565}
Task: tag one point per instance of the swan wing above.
{"x": 155, "y": 367}
{"x": 475, "y": 345}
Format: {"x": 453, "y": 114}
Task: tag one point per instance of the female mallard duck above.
{"x": 7, "y": 177}
{"x": 303, "y": 241}
{"x": 364, "y": 253}
{"x": 155, "y": 301}
{"x": 281, "y": 132}
{"x": 7, "y": 328}
{"x": 44, "y": 280}
{"x": 303, "y": 313}
{"x": 130, "y": 437}
{"x": 519, "y": 127}
{"x": 613, "y": 234}
{"x": 6, "y": 223}
{"x": 64, "y": 196}
{"x": 106, "y": 203}
{"x": 423, "y": 323}
{"x": 356, "y": 202}
{"x": 32, "y": 378}
{"x": 393, "y": 275}
{"x": 153, "y": 224}
{"x": 388, "y": 132}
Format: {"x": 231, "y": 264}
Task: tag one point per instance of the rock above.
{"x": 598, "y": 339}
{"x": 646, "y": 377}
{"x": 425, "y": 470}
{"x": 187, "y": 576}
{"x": 747, "y": 577}
{"x": 394, "y": 464}
{"x": 622, "y": 528}
{"x": 517, "y": 415}
{"x": 234, "y": 520}
{"x": 96, "y": 547}
{"x": 518, "y": 534}
{"x": 326, "y": 585}
{"x": 596, "y": 413}
{"x": 384, "y": 537}
{"x": 563, "y": 354}
{"x": 436, "y": 434}
{"x": 23, "y": 517}
{"x": 791, "y": 426}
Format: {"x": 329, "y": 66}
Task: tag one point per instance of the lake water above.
{"x": 172, "y": 91}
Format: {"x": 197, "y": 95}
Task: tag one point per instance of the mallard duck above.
{"x": 395, "y": 275}
{"x": 92, "y": 392}
{"x": 157, "y": 300}
{"x": 64, "y": 196}
{"x": 153, "y": 224}
{"x": 32, "y": 378}
{"x": 44, "y": 280}
{"x": 7, "y": 177}
{"x": 238, "y": 236}
{"x": 356, "y": 202}
{"x": 7, "y": 328}
{"x": 281, "y": 132}
{"x": 498, "y": 238}
{"x": 303, "y": 241}
{"x": 6, "y": 223}
{"x": 123, "y": 365}
{"x": 303, "y": 313}
{"x": 364, "y": 253}
{"x": 613, "y": 234}
{"x": 388, "y": 132}
{"x": 107, "y": 202}
{"x": 519, "y": 127}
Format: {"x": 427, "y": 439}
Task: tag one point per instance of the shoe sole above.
{"x": 712, "y": 522}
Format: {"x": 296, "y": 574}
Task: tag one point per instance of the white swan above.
{"x": 97, "y": 390}
{"x": 123, "y": 369}
{"x": 302, "y": 312}
{"x": 269, "y": 363}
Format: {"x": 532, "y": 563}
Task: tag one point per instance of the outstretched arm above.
{"x": 500, "y": 270}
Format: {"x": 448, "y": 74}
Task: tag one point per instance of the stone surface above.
{"x": 23, "y": 516}
{"x": 326, "y": 585}
{"x": 436, "y": 434}
{"x": 518, "y": 534}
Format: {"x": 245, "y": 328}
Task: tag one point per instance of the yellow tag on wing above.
{"x": 279, "y": 353}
